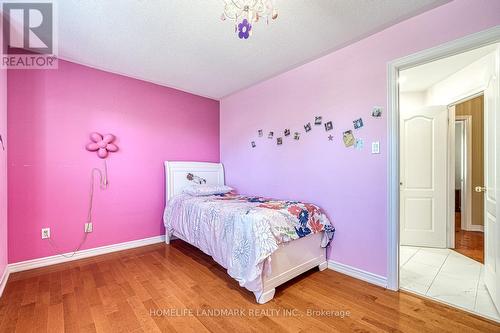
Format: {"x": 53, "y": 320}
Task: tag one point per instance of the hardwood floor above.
{"x": 469, "y": 243}
{"x": 175, "y": 288}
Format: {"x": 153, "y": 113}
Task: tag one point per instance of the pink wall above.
{"x": 51, "y": 114}
{"x": 349, "y": 184}
{"x": 3, "y": 172}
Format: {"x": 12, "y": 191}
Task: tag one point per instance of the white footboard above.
{"x": 291, "y": 260}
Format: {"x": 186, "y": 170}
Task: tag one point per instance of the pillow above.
{"x": 204, "y": 189}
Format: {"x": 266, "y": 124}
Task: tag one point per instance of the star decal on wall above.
{"x": 330, "y": 137}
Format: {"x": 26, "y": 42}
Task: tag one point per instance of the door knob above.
{"x": 480, "y": 189}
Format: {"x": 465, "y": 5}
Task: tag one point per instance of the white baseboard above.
{"x": 358, "y": 273}
{"x": 3, "y": 280}
{"x": 58, "y": 259}
{"x": 475, "y": 227}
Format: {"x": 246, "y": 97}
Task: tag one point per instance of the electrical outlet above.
{"x": 376, "y": 147}
{"x": 45, "y": 233}
{"x": 89, "y": 227}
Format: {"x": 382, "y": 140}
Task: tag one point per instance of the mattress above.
{"x": 240, "y": 232}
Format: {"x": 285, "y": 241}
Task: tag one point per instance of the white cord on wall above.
{"x": 103, "y": 185}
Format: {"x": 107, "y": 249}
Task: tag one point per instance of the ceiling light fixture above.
{"x": 244, "y": 13}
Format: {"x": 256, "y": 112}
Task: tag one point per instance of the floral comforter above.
{"x": 241, "y": 232}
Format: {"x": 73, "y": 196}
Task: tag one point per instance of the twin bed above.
{"x": 261, "y": 242}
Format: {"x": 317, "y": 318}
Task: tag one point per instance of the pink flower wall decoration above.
{"x": 102, "y": 144}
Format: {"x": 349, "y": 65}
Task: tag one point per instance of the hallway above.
{"x": 469, "y": 243}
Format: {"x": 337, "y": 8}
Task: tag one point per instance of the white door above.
{"x": 423, "y": 171}
{"x": 491, "y": 176}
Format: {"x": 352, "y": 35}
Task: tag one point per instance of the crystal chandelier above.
{"x": 245, "y": 13}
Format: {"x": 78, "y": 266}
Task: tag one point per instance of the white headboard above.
{"x": 176, "y": 175}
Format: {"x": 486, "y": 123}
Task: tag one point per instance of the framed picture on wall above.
{"x": 349, "y": 139}
{"x": 358, "y": 123}
{"x": 377, "y": 112}
{"x": 328, "y": 126}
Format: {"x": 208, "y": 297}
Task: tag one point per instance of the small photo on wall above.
{"x": 279, "y": 141}
{"x": 349, "y": 139}
{"x": 307, "y": 127}
{"x": 360, "y": 143}
{"x": 287, "y": 132}
{"x": 270, "y": 135}
{"x": 318, "y": 120}
{"x": 358, "y": 123}
{"x": 328, "y": 126}
{"x": 296, "y": 136}
{"x": 253, "y": 144}
{"x": 261, "y": 133}
{"x": 377, "y": 112}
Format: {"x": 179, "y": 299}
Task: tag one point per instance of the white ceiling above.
{"x": 421, "y": 78}
{"x": 183, "y": 43}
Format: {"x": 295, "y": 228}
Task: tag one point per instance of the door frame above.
{"x": 450, "y": 169}
{"x": 467, "y": 43}
{"x": 466, "y": 195}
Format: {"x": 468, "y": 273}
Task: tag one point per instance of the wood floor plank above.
{"x": 55, "y": 319}
{"x": 41, "y": 314}
{"x": 25, "y": 322}
{"x": 12, "y": 298}
{"x": 70, "y": 313}
{"x": 177, "y": 288}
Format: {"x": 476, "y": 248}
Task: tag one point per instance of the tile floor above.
{"x": 447, "y": 276}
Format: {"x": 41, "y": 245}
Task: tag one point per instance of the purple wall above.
{"x": 349, "y": 184}
{"x": 51, "y": 114}
{"x": 3, "y": 172}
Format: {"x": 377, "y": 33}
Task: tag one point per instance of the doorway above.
{"x": 469, "y": 178}
{"x": 428, "y": 197}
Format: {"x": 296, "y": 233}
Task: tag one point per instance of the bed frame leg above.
{"x": 323, "y": 266}
{"x": 266, "y": 296}
{"x": 167, "y": 238}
